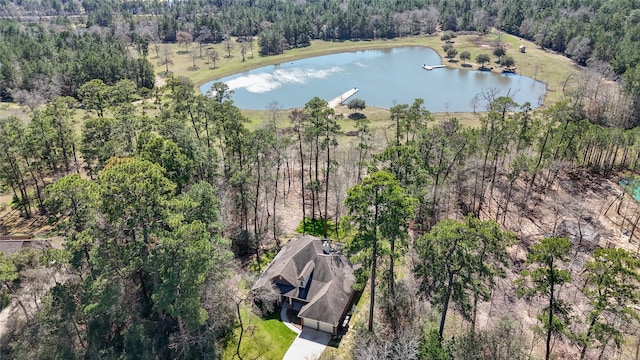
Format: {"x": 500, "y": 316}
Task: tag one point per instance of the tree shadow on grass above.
{"x": 274, "y": 315}
{"x": 357, "y": 116}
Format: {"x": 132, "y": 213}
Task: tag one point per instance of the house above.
{"x": 10, "y": 245}
{"x": 315, "y": 278}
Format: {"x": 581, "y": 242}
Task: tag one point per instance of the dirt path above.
{"x": 5, "y": 315}
{"x": 160, "y": 81}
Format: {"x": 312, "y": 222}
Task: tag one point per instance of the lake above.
{"x": 384, "y": 78}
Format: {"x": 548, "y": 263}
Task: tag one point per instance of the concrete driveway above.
{"x": 309, "y": 345}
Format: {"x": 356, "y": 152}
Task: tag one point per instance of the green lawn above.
{"x": 264, "y": 338}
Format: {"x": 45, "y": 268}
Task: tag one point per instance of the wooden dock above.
{"x": 342, "y": 98}
{"x": 431, "y": 67}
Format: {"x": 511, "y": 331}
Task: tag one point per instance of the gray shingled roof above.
{"x": 10, "y": 247}
{"x": 331, "y": 278}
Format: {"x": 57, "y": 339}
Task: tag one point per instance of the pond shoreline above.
{"x": 385, "y": 77}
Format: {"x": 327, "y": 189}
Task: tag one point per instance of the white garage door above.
{"x": 325, "y": 327}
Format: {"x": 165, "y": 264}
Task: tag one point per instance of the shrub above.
{"x": 452, "y": 52}
{"x": 482, "y": 59}
{"x": 316, "y": 227}
{"x": 507, "y": 61}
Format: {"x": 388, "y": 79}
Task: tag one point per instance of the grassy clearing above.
{"x": 379, "y": 118}
{"x": 264, "y": 338}
{"x": 13, "y": 109}
{"x": 546, "y": 66}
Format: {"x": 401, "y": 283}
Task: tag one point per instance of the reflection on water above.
{"x": 384, "y": 77}
{"x": 270, "y": 81}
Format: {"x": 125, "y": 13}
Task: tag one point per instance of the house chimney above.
{"x": 326, "y": 247}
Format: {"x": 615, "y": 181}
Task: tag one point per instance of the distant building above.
{"x": 313, "y": 278}
{"x": 522, "y": 49}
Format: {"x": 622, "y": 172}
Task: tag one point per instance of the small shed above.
{"x": 522, "y": 49}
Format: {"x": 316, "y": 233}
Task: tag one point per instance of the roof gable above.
{"x": 306, "y": 272}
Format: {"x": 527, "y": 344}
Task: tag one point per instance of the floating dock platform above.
{"x": 342, "y": 98}
{"x": 431, "y": 67}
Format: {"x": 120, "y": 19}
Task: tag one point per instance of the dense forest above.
{"x": 146, "y": 263}
{"x": 167, "y": 198}
{"x": 600, "y": 35}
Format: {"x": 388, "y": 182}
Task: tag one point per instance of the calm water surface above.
{"x": 384, "y": 78}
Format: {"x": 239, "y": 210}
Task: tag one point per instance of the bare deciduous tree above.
{"x": 165, "y": 58}
{"x": 264, "y": 296}
{"x": 251, "y": 42}
{"x": 213, "y": 56}
{"x": 431, "y": 19}
{"x": 203, "y": 36}
{"x": 481, "y": 21}
{"x": 243, "y": 50}
{"x": 193, "y": 58}
{"x": 579, "y": 49}
{"x": 184, "y": 38}
{"x": 228, "y": 44}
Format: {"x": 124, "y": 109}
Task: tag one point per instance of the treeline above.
{"x": 600, "y": 35}
{"x": 603, "y": 35}
{"x": 39, "y": 62}
{"x": 34, "y": 10}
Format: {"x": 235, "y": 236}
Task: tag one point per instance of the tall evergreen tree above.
{"x": 545, "y": 280}
{"x": 612, "y": 284}
{"x": 380, "y": 211}
{"x": 458, "y": 262}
